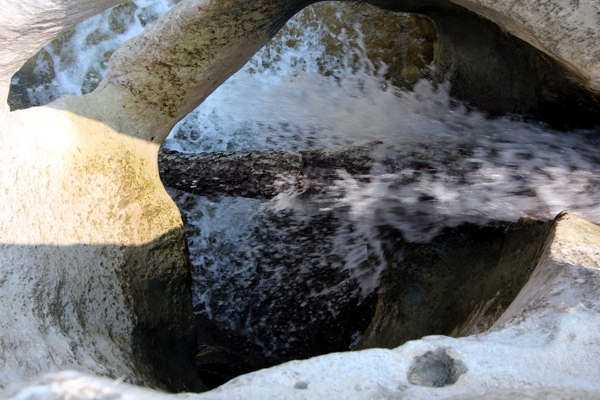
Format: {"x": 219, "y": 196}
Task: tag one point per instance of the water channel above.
{"x": 290, "y": 273}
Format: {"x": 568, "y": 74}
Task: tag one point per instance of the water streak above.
{"x": 277, "y": 270}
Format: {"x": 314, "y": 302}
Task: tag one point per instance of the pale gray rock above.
{"x": 93, "y": 266}
{"x": 94, "y": 274}
{"x": 539, "y": 394}
{"x": 28, "y": 25}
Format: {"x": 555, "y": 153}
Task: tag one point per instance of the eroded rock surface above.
{"x": 26, "y": 26}
{"x": 93, "y": 262}
{"x": 93, "y": 273}
{"x": 94, "y": 268}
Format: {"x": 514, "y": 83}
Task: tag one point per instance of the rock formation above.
{"x": 93, "y": 269}
{"x": 551, "y": 74}
{"x": 256, "y": 174}
{"x": 545, "y": 339}
{"x": 95, "y": 275}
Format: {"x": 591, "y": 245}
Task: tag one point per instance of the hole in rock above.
{"x": 278, "y": 284}
{"x": 423, "y": 232}
{"x": 421, "y": 235}
{"x": 435, "y": 369}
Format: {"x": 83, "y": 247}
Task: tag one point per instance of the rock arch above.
{"x": 93, "y": 259}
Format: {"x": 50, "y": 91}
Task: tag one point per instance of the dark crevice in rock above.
{"x": 163, "y": 337}
{"x": 222, "y": 354}
{"x": 458, "y": 284}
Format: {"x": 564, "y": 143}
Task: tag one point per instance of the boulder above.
{"x": 566, "y": 31}
{"x": 94, "y": 268}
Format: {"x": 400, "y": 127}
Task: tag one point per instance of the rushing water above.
{"x": 270, "y": 269}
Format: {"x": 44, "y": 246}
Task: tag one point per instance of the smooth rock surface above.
{"x": 93, "y": 268}
{"x": 94, "y": 274}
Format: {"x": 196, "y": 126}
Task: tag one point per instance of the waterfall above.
{"x": 271, "y": 269}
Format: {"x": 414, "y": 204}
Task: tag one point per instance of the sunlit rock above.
{"x": 93, "y": 269}
{"x": 546, "y": 339}
{"x": 94, "y": 273}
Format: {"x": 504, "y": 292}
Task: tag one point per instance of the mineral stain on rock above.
{"x": 435, "y": 369}
{"x": 301, "y": 385}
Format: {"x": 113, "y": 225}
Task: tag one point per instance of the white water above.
{"x": 458, "y": 167}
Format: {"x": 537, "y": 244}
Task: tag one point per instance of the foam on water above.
{"x": 273, "y": 277}
{"x": 459, "y": 167}
{"x": 254, "y": 262}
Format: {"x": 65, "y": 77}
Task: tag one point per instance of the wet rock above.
{"x": 121, "y": 16}
{"x": 223, "y": 354}
{"x": 435, "y": 369}
{"x": 93, "y": 260}
{"x": 542, "y": 347}
{"x": 457, "y": 285}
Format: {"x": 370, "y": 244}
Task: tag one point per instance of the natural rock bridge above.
{"x": 94, "y": 275}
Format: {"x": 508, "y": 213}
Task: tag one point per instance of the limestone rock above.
{"x": 93, "y": 267}
{"x": 94, "y": 274}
